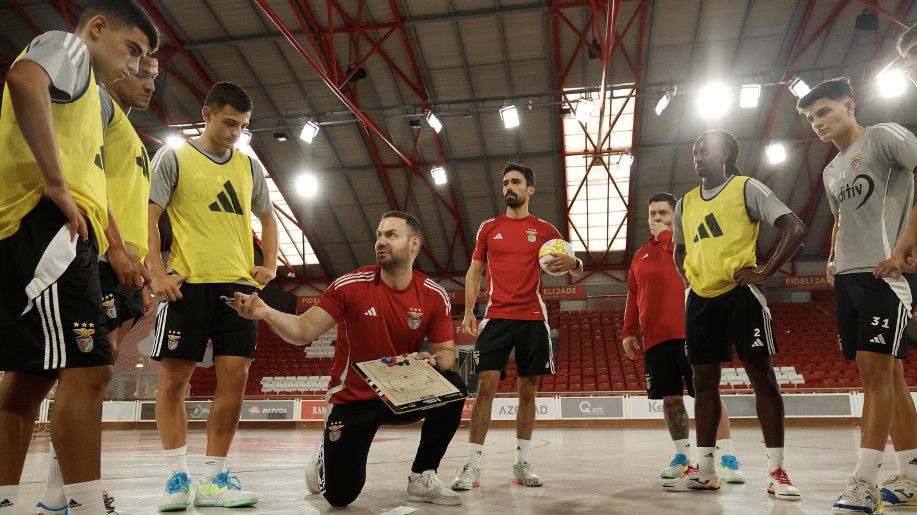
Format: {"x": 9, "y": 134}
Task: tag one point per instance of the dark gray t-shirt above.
{"x": 760, "y": 202}
{"x": 870, "y": 187}
{"x": 165, "y": 177}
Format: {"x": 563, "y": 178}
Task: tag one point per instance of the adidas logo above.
{"x": 74, "y": 504}
{"x": 6, "y": 503}
{"x": 499, "y": 236}
{"x": 878, "y": 339}
{"x": 758, "y": 343}
{"x": 645, "y": 256}
{"x": 714, "y": 226}
{"x": 371, "y": 312}
{"x": 912, "y": 462}
{"x": 227, "y": 201}
{"x": 708, "y": 455}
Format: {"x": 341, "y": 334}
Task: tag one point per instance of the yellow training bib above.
{"x": 127, "y": 170}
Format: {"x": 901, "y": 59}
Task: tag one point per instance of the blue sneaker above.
{"x": 225, "y": 491}
{"x": 859, "y": 497}
{"x": 899, "y": 490}
{"x": 178, "y": 493}
{"x": 676, "y": 468}
{"x": 43, "y": 510}
{"x": 730, "y": 469}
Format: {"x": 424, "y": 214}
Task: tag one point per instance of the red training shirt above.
{"x": 510, "y": 247}
{"x": 375, "y": 321}
{"x": 655, "y": 294}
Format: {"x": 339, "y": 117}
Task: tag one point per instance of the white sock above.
{"x": 907, "y": 463}
{"x": 705, "y": 458}
{"x": 522, "y": 450}
{"x": 774, "y": 458}
{"x": 177, "y": 459}
{"x": 53, "y": 494}
{"x": 683, "y": 447}
{"x": 475, "y": 451}
{"x": 724, "y": 446}
{"x": 85, "y": 498}
{"x": 868, "y": 463}
{"x": 213, "y": 465}
{"x": 9, "y": 493}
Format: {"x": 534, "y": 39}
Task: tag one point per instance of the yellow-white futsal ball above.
{"x": 556, "y": 246}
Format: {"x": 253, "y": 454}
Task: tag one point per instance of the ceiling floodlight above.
{"x": 309, "y": 131}
{"x": 175, "y": 141}
{"x": 306, "y": 185}
{"x": 713, "y": 100}
{"x": 892, "y": 82}
{"x": 439, "y": 175}
{"x": 584, "y": 110}
{"x": 510, "y": 116}
{"x": 748, "y": 96}
{"x": 799, "y": 88}
{"x": 776, "y": 153}
{"x": 435, "y": 122}
{"x": 665, "y": 97}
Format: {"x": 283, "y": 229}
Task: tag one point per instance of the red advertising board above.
{"x": 804, "y": 282}
{"x": 313, "y": 410}
{"x": 466, "y": 411}
{"x": 304, "y": 302}
{"x": 548, "y": 293}
{"x": 460, "y": 337}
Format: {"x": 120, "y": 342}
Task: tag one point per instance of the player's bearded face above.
{"x": 515, "y": 191}
{"x": 392, "y": 250}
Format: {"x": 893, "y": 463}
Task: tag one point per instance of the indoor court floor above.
{"x": 585, "y": 471}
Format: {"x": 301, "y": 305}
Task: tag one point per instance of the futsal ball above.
{"x": 553, "y": 247}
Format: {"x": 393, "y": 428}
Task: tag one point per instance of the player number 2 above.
{"x": 875, "y": 322}
{"x": 757, "y": 333}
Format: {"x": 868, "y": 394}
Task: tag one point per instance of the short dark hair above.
{"x": 411, "y": 220}
{"x": 121, "y": 13}
{"x": 905, "y": 39}
{"x": 524, "y": 170}
{"x": 837, "y": 89}
{"x": 664, "y": 197}
{"x": 228, "y": 93}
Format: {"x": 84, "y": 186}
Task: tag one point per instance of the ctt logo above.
{"x": 856, "y": 189}
{"x": 586, "y": 407}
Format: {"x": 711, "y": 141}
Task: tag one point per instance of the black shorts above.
{"x": 872, "y": 314}
{"x": 498, "y": 337}
{"x": 739, "y": 317}
{"x": 121, "y": 303}
{"x": 667, "y": 370}
{"x": 183, "y": 327}
{"x": 51, "y": 313}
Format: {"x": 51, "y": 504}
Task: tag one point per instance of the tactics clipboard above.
{"x": 406, "y": 384}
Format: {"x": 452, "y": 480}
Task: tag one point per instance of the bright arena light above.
{"x": 439, "y": 175}
{"x": 713, "y": 100}
{"x": 892, "y": 82}
{"x": 748, "y": 96}
{"x": 175, "y": 141}
{"x": 435, "y": 122}
{"x": 776, "y": 153}
{"x": 584, "y": 109}
{"x": 799, "y": 88}
{"x": 306, "y": 185}
{"x": 309, "y": 131}
{"x": 510, "y": 116}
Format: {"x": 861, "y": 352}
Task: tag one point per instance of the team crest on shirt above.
{"x": 415, "y": 316}
{"x": 108, "y": 303}
{"x": 334, "y": 431}
{"x": 532, "y": 235}
{"x": 84, "y": 332}
{"x": 174, "y": 337}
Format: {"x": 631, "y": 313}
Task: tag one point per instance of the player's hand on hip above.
{"x": 263, "y": 275}
{"x": 829, "y": 274}
{"x": 561, "y": 263}
{"x": 470, "y": 325}
{"x": 167, "y": 286}
{"x": 249, "y": 306}
{"x": 905, "y": 252}
{"x": 747, "y": 276}
{"x": 887, "y": 268}
{"x": 631, "y": 346}
{"x": 60, "y": 195}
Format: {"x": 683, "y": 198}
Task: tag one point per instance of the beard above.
{"x": 513, "y": 202}
{"x": 392, "y": 259}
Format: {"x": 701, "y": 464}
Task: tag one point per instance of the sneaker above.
{"x": 427, "y": 487}
{"x": 524, "y": 474}
{"x": 223, "y": 490}
{"x": 178, "y": 491}
{"x": 44, "y": 510}
{"x": 468, "y": 477}
{"x": 780, "y": 486}
{"x": 730, "y": 471}
{"x": 676, "y": 467}
{"x": 858, "y": 497}
{"x": 693, "y": 479}
{"x": 315, "y": 469}
{"x": 899, "y": 490}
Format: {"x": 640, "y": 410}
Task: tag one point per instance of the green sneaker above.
{"x": 730, "y": 470}
{"x": 178, "y": 490}
{"x": 676, "y": 468}
{"x": 224, "y": 491}
{"x": 524, "y": 474}
{"x": 469, "y": 477}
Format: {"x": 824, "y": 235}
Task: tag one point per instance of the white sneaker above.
{"x": 730, "y": 470}
{"x": 426, "y": 487}
{"x": 315, "y": 469}
{"x": 693, "y": 479}
{"x": 676, "y": 468}
{"x": 780, "y": 486}
{"x": 468, "y": 477}
{"x": 899, "y": 490}
{"x": 524, "y": 474}
{"x": 224, "y": 491}
{"x": 858, "y": 497}
{"x": 177, "y": 494}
